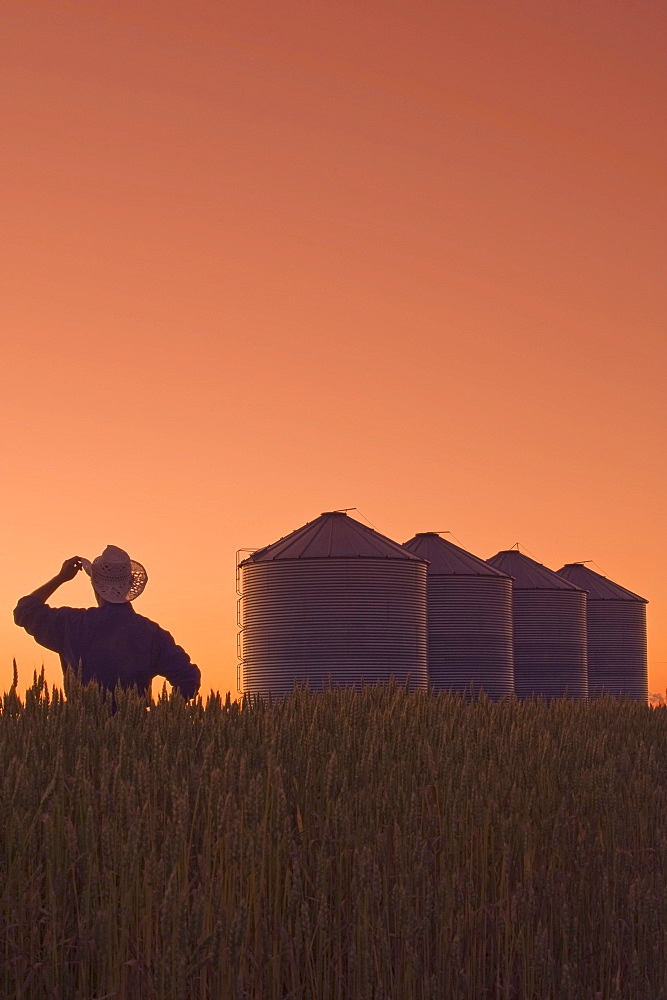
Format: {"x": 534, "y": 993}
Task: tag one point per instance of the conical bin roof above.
{"x": 527, "y": 573}
{"x": 333, "y": 535}
{"x": 599, "y": 587}
{"x": 446, "y": 559}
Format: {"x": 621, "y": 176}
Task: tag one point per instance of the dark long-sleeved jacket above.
{"x": 111, "y": 644}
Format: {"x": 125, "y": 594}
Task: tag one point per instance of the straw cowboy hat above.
{"x": 116, "y": 577}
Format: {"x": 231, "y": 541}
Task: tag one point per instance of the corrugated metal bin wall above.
{"x": 470, "y": 646}
{"x": 550, "y": 655}
{"x": 334, "y": 602}
{"x": 617, "y": 655}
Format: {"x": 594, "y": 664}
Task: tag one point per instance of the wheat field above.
{"x": 373, "y": 845}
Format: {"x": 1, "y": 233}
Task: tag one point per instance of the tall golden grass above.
{"x": 382, "y": 844}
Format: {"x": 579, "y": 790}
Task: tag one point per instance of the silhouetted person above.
{"x": 110, "y": 644}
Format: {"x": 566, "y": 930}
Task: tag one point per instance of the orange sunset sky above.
{"x": 265, "y": 259}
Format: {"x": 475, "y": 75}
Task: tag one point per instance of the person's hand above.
{"x": 70, "y": 568}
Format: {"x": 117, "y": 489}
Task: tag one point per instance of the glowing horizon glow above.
{"x": 267, "y": 260}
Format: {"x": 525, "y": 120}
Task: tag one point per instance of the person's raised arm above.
{"x": 48, "y": 625}
{"x": 68, "y": 571}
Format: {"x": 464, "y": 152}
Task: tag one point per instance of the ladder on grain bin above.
{"x": 239, "y": 615}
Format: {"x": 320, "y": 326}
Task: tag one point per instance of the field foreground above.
{"x": 372, "y": 846}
